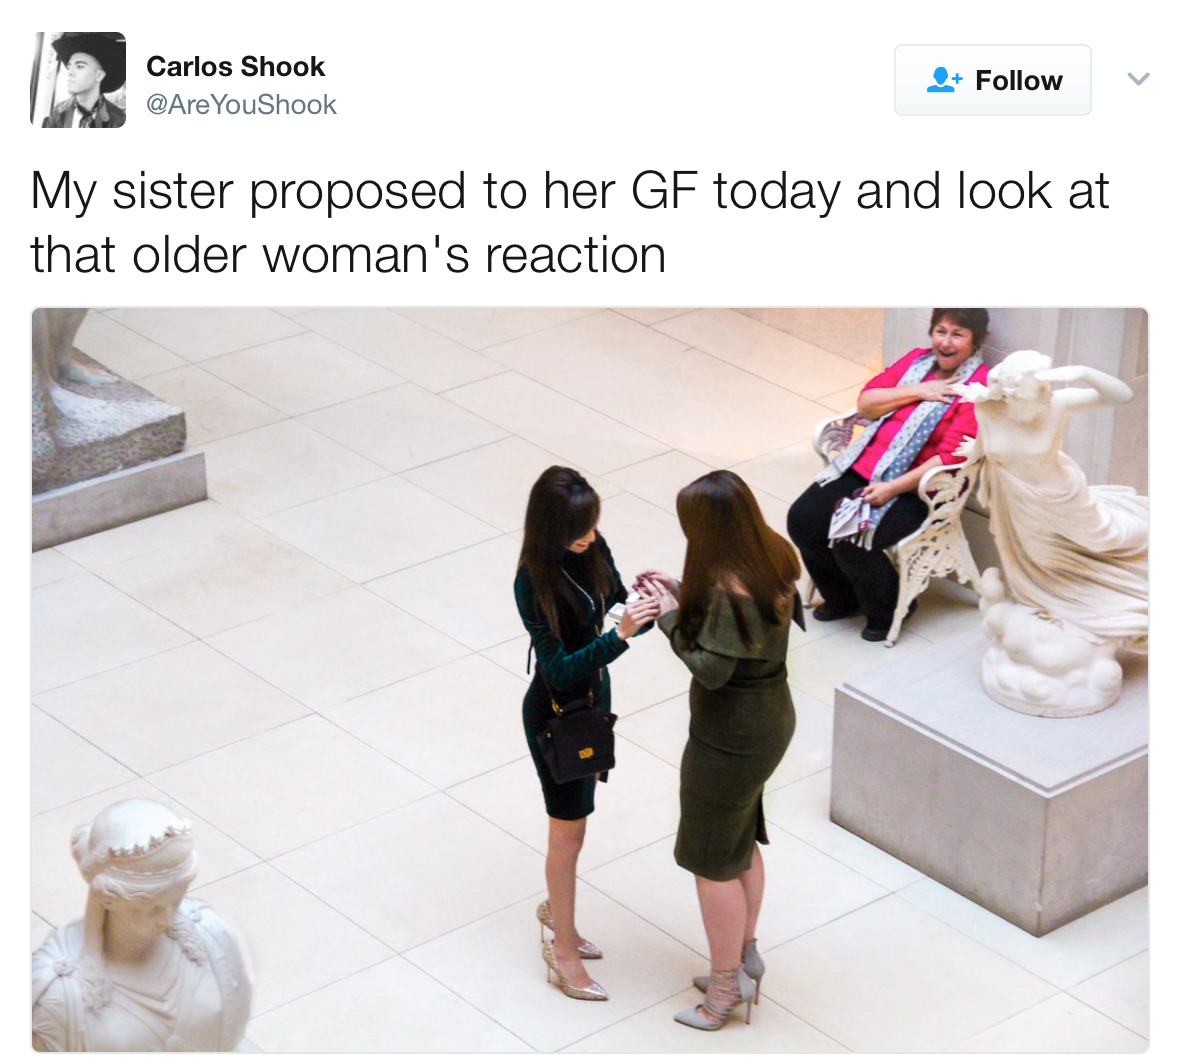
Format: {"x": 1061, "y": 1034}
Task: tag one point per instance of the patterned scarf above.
{"x": 96, "y": 117}
{"x": 900, "y": 456}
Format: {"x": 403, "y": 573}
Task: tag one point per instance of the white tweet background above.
{"x": 603, "y": 92}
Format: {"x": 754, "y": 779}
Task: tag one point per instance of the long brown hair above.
{"x": 562, "y": 508}
{"x": 728, "y": 542}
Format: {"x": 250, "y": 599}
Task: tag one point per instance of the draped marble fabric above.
{"x": 1076, "y": 552}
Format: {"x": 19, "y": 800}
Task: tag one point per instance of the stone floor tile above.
{"x": 280, "y": 466}
{"x": 582, "y": 437}
{"x": 197, "y": 333}
{"x": 391, "y": 339}
{"x": 337, "y": 647}
{"x": 493, "y": 482}
{"x": 301, "y": 373}
{"x": 887, "y": 978}
{"x": 480, "y": 327}
{"x": 171, "y": 529}
{"x": 170, "y": 707}
{"x": 404, "y": 427}
{"x": 1121, "y": 993}
{"x": 50, "y": 565}
{"x": 783, "y": 359}
{"x": 283, "y": 788}
{"x": 446, "y": 725}
{"x": 378, "y": 528}
{"x": 1060, "y": 1024}
{"x": 122, "y": 350}
{"x": 213, "y": 409}
{"x": 773, "y": 1029}
{"x": 83, "y": 625}
{"x": 465, "y": 594}
{"x": 391, "y": 1007}
{"x": 637, "y": 805}
{"x": 805, "y": 890}
{"x": 392, "y": 877}
{"x": 223, "y": 580}
{"x": 66, "y": 767}
{"x": 1066, "y": 956}
{"x": 496, "y": 964}
{"x": 294, "y": 941}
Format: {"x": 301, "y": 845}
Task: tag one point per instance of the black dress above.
{"x": 573, "y": 664}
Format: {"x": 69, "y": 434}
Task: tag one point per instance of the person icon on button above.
{"x": 940, "y": 74}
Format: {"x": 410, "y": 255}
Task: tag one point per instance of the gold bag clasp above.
{"x": 586, "y": 752}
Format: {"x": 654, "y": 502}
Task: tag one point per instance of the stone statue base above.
{"x": 1037, "y": 667}
{"x": 83, "y": 430}
{"x": 1039, "y": 821}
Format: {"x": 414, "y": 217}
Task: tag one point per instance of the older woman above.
{"x": 917, "y": 423}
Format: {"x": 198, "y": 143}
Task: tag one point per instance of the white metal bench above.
{"x": 938, "y": 547}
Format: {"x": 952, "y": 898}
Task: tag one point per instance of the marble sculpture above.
{"x": 86, "y": 420}
{"x": 146, "y": 969}
{"x": 1075, "y": 556}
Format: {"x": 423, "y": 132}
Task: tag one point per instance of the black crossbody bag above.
{"x": 580, "y": 739}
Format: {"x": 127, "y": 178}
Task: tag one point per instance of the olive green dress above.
{"x": 741, "y": 721}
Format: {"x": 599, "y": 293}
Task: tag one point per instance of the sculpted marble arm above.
{"x": 1102, "y": 388}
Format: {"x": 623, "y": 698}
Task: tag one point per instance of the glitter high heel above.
{"x": 594, "y": 992}
{"x": 588, "y": 951}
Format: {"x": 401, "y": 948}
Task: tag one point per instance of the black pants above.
{"x": 850, "y": 577}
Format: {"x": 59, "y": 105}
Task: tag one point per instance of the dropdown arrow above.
{"x": 1138, "y": 81}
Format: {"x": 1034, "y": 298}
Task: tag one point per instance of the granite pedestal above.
{"x": 1038, "y": 820}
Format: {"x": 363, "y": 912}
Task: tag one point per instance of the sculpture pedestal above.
{"x": 118, "y": 498}
{"x": 1038, "y": 820}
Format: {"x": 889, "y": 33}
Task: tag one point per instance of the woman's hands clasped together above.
{"x": 662, "y": 588}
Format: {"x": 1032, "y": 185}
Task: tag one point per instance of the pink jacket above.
{"x": 949, "y": 433}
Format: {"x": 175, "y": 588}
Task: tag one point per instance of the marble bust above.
{"x": 1075, "y": 556}
{"x": 146, "y": 969}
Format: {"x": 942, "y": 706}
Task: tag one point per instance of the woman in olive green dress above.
{"x": 728, "y": 619}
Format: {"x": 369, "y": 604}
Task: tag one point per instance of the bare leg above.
{"x": 562, "y": 858}
{"x": 724, "y": 912}
{"x": 753, "y": 880}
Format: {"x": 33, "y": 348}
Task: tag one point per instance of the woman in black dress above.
{"x": 566, "y": 582}
{"x": 727, "y": 619}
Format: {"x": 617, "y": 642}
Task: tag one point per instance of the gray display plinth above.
{"x": 117, "y": 498}
{"x": 1038, "y": 820}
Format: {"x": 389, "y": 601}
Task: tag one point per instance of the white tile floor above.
{"x": 281, "y": 663}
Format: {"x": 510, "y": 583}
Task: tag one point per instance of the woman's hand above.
{"x": 656, "y": 576}
{"x": 665, "y": 598}
{"x": 637, "y": 615}
{"x": 935, "y": 391}
{"x": 879, "y": 494}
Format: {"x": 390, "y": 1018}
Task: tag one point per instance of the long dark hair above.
{"x": 728, "y": 541}
{"x": 562, "y": 508}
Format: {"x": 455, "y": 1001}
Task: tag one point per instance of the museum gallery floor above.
{"x": 322, "y": 667}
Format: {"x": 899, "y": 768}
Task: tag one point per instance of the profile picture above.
{"x": 79, "y": 80}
